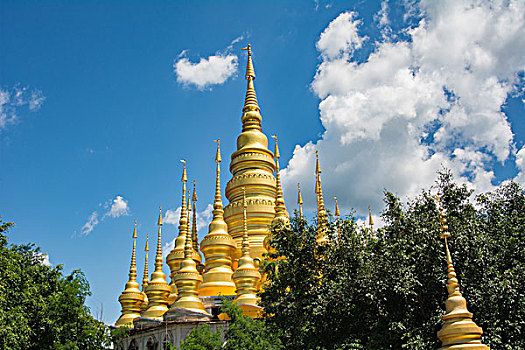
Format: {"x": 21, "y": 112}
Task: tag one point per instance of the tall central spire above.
{"x": 252, "y": 166}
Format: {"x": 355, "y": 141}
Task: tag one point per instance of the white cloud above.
{"x": 11, "y": 100}
{"x": 45, "y": 260}
{"x": 341, "y": 37}
{"x": 90, "y": 224}
{"x": 114, "y": 208}
{"x": 171, "y": 216}
{"x": 414, "y": 106}
{"x": 214, "y": 70}
{"x": 520, "y": 164}
{"x": 119, "y": 207}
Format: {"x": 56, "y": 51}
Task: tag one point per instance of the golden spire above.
{"x": 158, "y": 289}
{"x": 247, "y": 277}
{"x": 281, "y": 214}
{"x": 370, "y": 221}
{"x": 337, "y": 215}
{"x": 459, "y": 331}
{"x": 131, "y": 298}
{"x": 194, "y": 237}
{"x": 250, "y": 101}
{"x": 176, "y": 256}
{"x": 321, "y": 211}
{"x": 145, "y": 278}
{"x": 217, "y": 247}
{"x": 188, "y": 227}
{"x": 252, "y": 166}
{"x": 188, "y": 280}
{"x": 299, "y": 200}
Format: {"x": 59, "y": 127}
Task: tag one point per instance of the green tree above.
{"x": 40, "y": 308}
{"x": 388, "y": 291}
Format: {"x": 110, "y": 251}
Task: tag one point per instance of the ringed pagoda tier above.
{"x": 252, "y": 166}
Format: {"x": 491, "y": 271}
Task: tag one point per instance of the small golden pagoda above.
{"x": 131, "y": 298}
{"x": 145, "y": 279}
{"x": 188, "y": 281}
{"x": 299, "y": 200}
{"x": 281, "y": 218}
{"x": 252, "y": 167}
{"x": 158, "y": 289}
{"x": 247, "y": 277}
{"x": 459, "y": 331}
{"x": 217, "y": 247}
{"x": 322, "y": 216}
{"x": 337, "y": 217}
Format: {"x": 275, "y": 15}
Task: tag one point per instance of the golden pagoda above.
{"x": 176, "y": 255}
{"x": 299, "y": 200}
{"x": 188, "y": 281}
{"x": 145, "y": 279}
{"x": 322, "y": 216}
{"x": 281, "y": 214}
{"x": 217, "y": 247}
{"x": 281, "y": 218}
{"x": 252, "y": 166}
{"x": 370, "y": 221}
{"x": 158, "y": 289}
{"x": 337, "y": 216}
{"x": 459, "y": 331}
{"x": 131, "y": 298}
{"x": 194, "y": 238}
{"x": 247, "y": 277}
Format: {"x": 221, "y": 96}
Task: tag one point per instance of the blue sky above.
{"x": 99, "y": 102}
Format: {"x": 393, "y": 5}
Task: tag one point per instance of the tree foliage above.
{"x": 387, "y": 291}
{"x": 40, "y": 308}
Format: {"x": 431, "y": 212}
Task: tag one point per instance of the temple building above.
{"x": 226, "y": 262}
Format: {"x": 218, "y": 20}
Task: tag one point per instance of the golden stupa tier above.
{"x": 252, "y": 167}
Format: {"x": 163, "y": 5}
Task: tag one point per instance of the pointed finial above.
{"x": 145, "y": 277}
{"x": 133, "y": 267}
{"x": 250, "y": 101}
{"x": 370, "y": 220}
{"x": 218, "y": 156}
{"x": 158, "y": 257}
{"x": 459, "y": 331}
{"x": 337, "y": 215}
{"x": 184, "y": 177}
{"x": 159, "y": 222}
{"x": 299, "y": 200}
{"x": 317, "y": 166}
{"x": 250, "y": 72}
{"x": 281, "y": 214}
{"x": 194, "y": 222}
{"x": 276, "y": 152}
